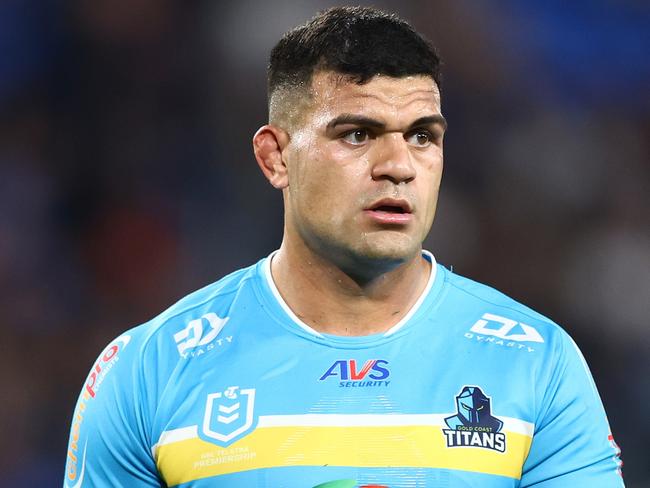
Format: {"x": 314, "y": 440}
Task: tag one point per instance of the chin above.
{"x": 395, "y": 248}
{"x": 384, "y": 249}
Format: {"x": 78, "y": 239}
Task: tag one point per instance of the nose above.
{"x": 393, "y": 161}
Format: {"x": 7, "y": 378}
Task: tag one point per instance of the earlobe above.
{"x": 268, "y": 143}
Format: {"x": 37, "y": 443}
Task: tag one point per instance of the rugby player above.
{"x": 348, "y": 357}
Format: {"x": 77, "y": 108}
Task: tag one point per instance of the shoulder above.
{"x": 210, "y": 305}
{"x": 507, "y": 337}
{"x": 197, "y": 324}
{"x": 491, "y": 315}
{"x": 141, "y": 362}
{"x": 117, "y": 409}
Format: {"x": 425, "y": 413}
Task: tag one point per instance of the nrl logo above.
{"x": 228, "y": 414}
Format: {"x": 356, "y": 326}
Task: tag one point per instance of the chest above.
{"x": 284, "y": 413}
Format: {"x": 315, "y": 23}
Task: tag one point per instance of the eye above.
{"x": 420, "y": 138}
{"x": 356, "y": 137}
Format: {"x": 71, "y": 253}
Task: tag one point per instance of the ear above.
{"x": 268, "y": 143}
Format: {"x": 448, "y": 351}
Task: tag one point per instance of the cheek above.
{"x": 429, "y": 163}
{"x": 333, "y": 177}
{"x": 432, "y": 173}
{"x": 313, "y": 187}
{"x": 431, "y": 160}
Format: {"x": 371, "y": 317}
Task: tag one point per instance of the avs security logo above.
{"x": 229, "y": 414}
{"x": 200, "y": 335}
{"x": 473, "y": 425}
{"x": 372, "y": 373}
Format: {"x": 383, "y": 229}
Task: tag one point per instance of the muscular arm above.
{"x": 572, "y": 444}
{"x": 108, "y": 437}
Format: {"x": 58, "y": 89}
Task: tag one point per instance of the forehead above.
{"x": 332, "y": 92}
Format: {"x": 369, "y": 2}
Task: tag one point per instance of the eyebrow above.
{"x": 363, "y": 121}
{"x": 352, "y": 119}
{"x": 430, "y": 120}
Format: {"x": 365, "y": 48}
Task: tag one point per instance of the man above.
{"x": 348, "y": 357}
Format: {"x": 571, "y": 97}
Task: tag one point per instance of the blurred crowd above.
{"x": 127, "y": 180}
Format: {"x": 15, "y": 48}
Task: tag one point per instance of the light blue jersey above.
{"x": 228, "y": 388}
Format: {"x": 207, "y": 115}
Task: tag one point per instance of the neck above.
{"x": 333, "y": 301}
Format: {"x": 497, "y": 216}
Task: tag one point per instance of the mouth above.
{"x": 393, "y": 206}
{"x": 390, "y": 212}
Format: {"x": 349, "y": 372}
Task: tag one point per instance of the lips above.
{"x": 391, "y": 205}
{"x": 389, "y": 211}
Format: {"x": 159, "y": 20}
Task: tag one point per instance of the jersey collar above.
{"x": 302, "y": 325}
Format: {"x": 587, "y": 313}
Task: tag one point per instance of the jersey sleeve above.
{"x": 572, "y": 444}
{"x": 108, "y": 445}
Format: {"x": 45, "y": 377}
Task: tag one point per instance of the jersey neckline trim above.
{"x": 268, "y": 277}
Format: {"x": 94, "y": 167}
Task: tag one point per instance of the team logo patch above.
{"x": 473, "y": 425}
{"x": 372, "y": 373}
{"x": 229, "y": 414}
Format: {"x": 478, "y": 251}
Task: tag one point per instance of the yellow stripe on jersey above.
{"x": 421, "y": 446}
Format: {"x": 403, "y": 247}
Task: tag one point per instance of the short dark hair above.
{"x": 360, "y": 42}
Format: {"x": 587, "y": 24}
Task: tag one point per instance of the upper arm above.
{"x": 108, "y": 443}
{"x": 572, "y": 444}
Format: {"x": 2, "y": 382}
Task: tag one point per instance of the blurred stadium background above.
{"x": 127, "y": 180}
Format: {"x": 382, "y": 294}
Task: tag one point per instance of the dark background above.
{"x": 127, "y": 180}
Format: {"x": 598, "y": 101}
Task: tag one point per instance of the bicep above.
{"x": 572, "y": 444}
{"x": 107, "y": 445}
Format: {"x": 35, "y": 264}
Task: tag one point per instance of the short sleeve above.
{"x": 572, "y": 444}
{"x": 108, "y": 437}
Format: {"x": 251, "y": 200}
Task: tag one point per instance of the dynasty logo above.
{"x": 473, "y": 425}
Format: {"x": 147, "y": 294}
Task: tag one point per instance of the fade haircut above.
{"x": 355, "y": 42}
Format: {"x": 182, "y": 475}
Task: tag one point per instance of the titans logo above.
{"x": 473, "y": 425}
